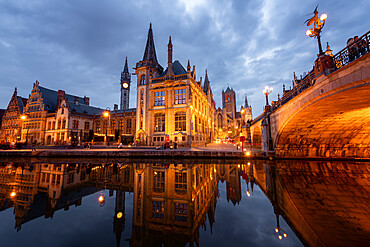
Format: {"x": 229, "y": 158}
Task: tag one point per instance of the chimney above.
{"x": 115, "y": 107}
{"x": 75, "y": 100}
{"x": 61, "y": 95}
{"x": 87, "y": 100}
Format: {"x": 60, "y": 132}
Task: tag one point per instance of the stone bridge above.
{"x": 329, "y": 118}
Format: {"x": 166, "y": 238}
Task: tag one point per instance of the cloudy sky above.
{"x": 80, "y": 45}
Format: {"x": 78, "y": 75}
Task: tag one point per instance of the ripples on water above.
{"x": 184, "y": 203}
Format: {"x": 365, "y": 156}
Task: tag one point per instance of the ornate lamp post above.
{"x": 318, "y": 24}
{"x": 267, "y": 91}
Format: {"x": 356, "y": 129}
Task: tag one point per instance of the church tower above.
{"x": 125, "y": 87}
{"x": 119, "y": 216}
{"x": 229, "y": 102}
{"x": 145, "y": 70}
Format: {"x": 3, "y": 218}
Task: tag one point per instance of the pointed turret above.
{"x": 188, "y": 67}
{"x": 245, "y": 101}
{"x": 206, "y": 84}
{"x": 149, "y": 54}
{"x": 170, "y": 70}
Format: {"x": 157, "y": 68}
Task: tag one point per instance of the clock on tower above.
{"x": 125, "y": 87}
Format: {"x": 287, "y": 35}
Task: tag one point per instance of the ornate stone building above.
{"x": 11, "y": 122}
{"x": 171, "y": 104}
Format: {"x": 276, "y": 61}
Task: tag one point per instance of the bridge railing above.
{"x": 352, "y": 51}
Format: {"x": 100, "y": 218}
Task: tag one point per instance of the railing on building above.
{"x": 350, "y": 53}
{"x": 170, "y": 77}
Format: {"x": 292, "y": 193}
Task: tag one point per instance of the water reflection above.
{"x": 325, "y": 204}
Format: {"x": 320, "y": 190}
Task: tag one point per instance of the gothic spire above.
{"x": 125, "y": 74}
{"x": 246, "y": 101}
{"x": 125, "y": 70}
{"x": 149, "y": 54}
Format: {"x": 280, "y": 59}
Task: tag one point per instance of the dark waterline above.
{"x": 218, "y": 203}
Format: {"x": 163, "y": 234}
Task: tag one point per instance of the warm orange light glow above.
{"x": 101, "y": 199}
{"x": 119, "y": 215}
{"x": 284, "y": 235}
{"x": 280, "y": 237}
{"x": 23, "y": 117}
{"x": 248, "y": 153}
{"x": 323, "y": 17}
{"x": 309, "y": 32}
{"x": 276, "y": 229}
{"x": 106, "y": 114}
{"x": 249, "y": 163}
{"x": 248, "y": 194}
{"x": 238, "y": 166}
{"x": 13, "y": 194}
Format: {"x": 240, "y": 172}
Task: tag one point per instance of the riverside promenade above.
{"x": 210, "y": 151}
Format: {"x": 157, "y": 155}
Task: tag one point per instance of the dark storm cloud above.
{"x": 80, "y": 46}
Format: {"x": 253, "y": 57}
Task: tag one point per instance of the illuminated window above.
{"x": 159, "y": 122}
{"x": 158, "y": 209}
{"x": 180, "y": 121}
{"x": 159, "y": 98}
{"x": 180, "y": 182}
{"x": 59, "y": 123}
{"x": 87, "y": 125}
{"x": 75, "y": 124}
{"x": 180, "y": 96}
{"x": 128, "y": 126}
{"x": 158, "y": 181}
{"x": 98, "y": 126}
{"x": 181, "y": 212}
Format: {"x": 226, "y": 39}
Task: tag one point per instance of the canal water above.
{"x": 184, "y": 203}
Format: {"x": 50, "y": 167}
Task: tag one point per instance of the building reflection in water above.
{"x": 171, "y": 202}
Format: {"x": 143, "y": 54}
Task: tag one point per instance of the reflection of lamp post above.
{"x": 106, "y": 114}
{"x": 279, "y": 230}
{"x": 23, "y": 117}
{"x": 318, "y": 24}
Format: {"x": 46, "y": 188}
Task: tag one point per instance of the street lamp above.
{"x": 106, "y": 114}
{"x": 24, "y": 117}
{"x": 318, "y": 24}
{"x": 267, "y": 91}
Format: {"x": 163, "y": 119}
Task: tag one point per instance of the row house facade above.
{"x": 171, "y": 104}
{"x": 11, "y": 124}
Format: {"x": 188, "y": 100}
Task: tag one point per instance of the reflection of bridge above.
{"x": 326, "y": 114}
{"x": 325, "y": 203}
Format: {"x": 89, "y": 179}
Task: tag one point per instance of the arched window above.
{"x": 159, "y": 122}
{"x": 64, "y": 124}
{"x": 142, "y": 80}
{"x": 180, "y": 121}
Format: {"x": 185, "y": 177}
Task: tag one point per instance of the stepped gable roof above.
{"x": 177, "y": 68}
{"x": 21, "y": 103}
{"x": 149, "y": 53}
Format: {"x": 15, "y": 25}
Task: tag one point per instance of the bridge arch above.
{"x": 336, "y": 125}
